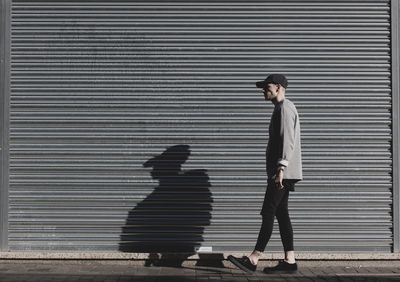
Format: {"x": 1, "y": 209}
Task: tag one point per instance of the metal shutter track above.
{"x": 99, "y": 88}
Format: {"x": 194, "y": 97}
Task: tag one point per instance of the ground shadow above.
{"x": 169, "y": 223}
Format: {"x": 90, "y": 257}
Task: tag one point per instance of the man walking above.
{"x": 284, "y": 169}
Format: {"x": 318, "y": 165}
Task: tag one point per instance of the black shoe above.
{"x": 282, "y": 266}
{"x": 243, "y": 263}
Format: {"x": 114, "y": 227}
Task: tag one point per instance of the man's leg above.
{"x": 285, "y": 228}
{"x": 272, "y": 200}
{"x": 263, "y": 237}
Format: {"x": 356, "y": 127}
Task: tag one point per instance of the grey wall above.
{"x": 396, "y": 109}
{"x": 4, "y": 117}
{"x": 98, "y": 89}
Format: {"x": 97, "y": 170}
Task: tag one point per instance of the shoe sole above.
{"x": 238, "y": 264}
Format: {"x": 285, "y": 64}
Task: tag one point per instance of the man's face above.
{"x": 270, "y": 91}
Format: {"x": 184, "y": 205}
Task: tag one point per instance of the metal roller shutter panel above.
{"x": 138, "y": 124}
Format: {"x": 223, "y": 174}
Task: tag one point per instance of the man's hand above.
{"x": 279, "y": 178}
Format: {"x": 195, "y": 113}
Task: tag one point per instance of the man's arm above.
{"x": 287, "y": 139}
{"x": 279, "y": 177}
{"x": 287, "y": 136}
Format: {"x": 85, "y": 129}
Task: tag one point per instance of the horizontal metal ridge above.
{"x": 192, "y": 5}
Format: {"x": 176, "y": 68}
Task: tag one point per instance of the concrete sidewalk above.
{"x": 120, "y": 270}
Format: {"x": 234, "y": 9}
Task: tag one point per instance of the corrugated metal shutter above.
{"x": 102, "y": 92}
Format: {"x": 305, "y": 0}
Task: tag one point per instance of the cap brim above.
{"x": 261, "y": 84}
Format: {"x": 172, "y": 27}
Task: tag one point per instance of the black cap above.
{"x": 273, "y": 78}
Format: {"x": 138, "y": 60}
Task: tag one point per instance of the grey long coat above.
{"x": 284, "y": 146}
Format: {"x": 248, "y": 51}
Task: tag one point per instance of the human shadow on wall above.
{"x": 169, "y": 223}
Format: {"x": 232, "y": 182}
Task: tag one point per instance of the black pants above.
{"x": 276, "y": 204}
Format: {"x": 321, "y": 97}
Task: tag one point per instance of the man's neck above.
{"x": 278, "y": 99}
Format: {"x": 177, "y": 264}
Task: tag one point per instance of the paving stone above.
{"x": 125, "y": 279}
{"x": 105, "y": 271}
